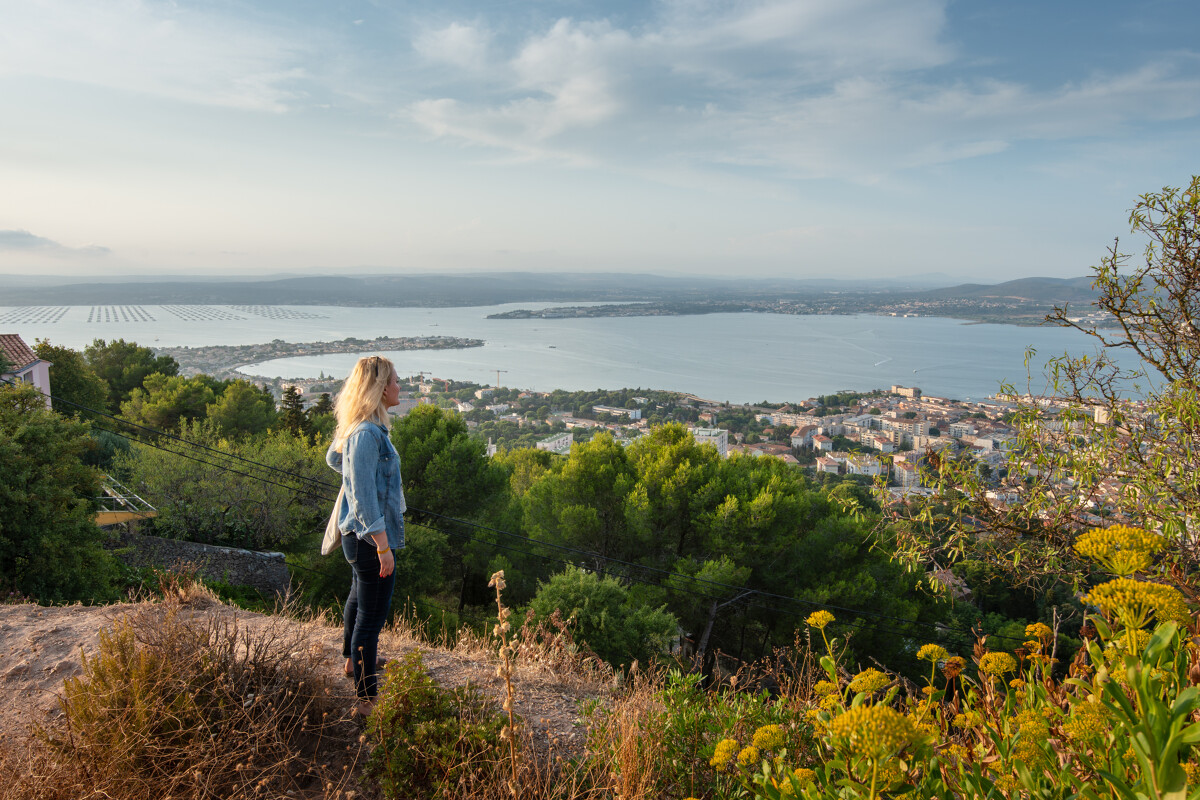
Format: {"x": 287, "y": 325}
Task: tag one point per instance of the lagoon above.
{"x": 726, "y": 357}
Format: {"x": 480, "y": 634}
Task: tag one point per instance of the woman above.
{"x": 371, "y": 514}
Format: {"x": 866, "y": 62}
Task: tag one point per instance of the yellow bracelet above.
{"x": 384, "y": 550}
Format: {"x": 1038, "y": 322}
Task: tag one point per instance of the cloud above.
{"x": 458, "y": 44}
{"x": 850, "y": 89}
{"x": 162, "y": 49}
{"x": 26, "y": 242}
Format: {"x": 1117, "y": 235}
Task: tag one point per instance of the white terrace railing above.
{"x": 121, "y": 505}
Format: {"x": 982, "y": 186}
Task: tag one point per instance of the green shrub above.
{"x": 431, "y": 742}
{"x": 603, "y": 616}
{"x": 50, "y": 547}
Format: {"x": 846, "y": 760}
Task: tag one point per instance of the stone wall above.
{"x": 266, "y": 572}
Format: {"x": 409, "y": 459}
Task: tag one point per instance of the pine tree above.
{"x": 291, "y": 414}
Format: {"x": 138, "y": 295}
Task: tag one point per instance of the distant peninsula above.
{"x": 223, "y": 361}
{"x": 1025, "y": 301}
{"x": 1019, "y": 302}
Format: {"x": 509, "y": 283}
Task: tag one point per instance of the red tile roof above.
{"x": 16, "y": 351}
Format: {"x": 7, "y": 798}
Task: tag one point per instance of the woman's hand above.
{"x": 387, "y": 563}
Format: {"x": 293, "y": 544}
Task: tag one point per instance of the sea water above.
{"x": 725, "y": 357}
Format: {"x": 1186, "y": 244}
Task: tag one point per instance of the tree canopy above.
{"x": 164, "y": 401}
{"x": 76, "y": 388}
{"x": 242, "y": 409}
{"x": 124, "y": 366}
{"x": 1118, "y": 442}
{"x": 445, "y": 470}
{"x": 50, "y": 547}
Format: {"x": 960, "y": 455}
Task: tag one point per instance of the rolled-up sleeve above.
{"x": 359, "y": 465}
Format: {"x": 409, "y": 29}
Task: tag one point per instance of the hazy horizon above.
{"x": 805, "y": 139}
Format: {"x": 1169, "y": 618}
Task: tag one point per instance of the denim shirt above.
{"x": 374, "y": 497}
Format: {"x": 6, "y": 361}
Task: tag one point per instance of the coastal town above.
{"x": 881, "y": 437}
{"x": 877, "y": 437}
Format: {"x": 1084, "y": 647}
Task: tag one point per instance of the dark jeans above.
{"x": 365, "y": 613}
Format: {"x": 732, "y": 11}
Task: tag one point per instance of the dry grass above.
{"x": 630, "y": 739}
{"x": 543, "y": 647}
{"x": 184, "y": 700}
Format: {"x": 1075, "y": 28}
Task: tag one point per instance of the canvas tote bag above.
{"x": 333, "y": 536}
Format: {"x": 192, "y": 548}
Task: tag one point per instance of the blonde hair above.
{"x": 361, "y": 397}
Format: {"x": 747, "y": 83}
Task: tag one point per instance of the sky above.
{"x": 796, "y": 138}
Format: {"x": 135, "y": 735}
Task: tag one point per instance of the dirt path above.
{"x": 40, "y": 647}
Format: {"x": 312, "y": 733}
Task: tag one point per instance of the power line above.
{"x": 591, "y": 555}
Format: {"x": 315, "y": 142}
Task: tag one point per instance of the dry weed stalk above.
{"x": 505, "y": 671}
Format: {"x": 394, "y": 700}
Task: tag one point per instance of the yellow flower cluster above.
{"x": 966, "y": 720}
{"x": 768, "y": 737}
{"x": 1033, "y": 730}
{"x": 956, "y": 752}
{"x": 1008, "y": 784}
{"x": 819, "y": 619}
{"x": 825, "y": 688}
{"x": 877, "y": 731}
{"x": 749, "y": 756}
{"x": 923, "y": 722}
{"x": 869, "y": 680}
{"x": 724, "y": 751}
{"x": 932, "y": 652}
{"x": 1132, "y": 602}
{"x": 1040, "y": 631}
{"x": 1192, "y": 770}
{"x": 804, "y": 776}
{"x": 1088, "y": 722}
{"x": 997, "y": 664}
{"x": 1115, "y": 649}
{"x": 798, "y": 778}
{"x": 1121, "y": 549}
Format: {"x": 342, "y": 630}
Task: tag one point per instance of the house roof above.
{"x": 16, "y": 351}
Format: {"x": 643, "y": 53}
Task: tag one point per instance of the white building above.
{"x": 961, "y": 430}
{"x": 718, "y": 437}
{"x": 803, "y": 436}
{"x": 906, "y": 473}
{"x": 558, "y": 443}
{"x": 864, "y": 465}
{"x": 828, "y": 464}
{"x": 407, "y": 404}
{"x": 24, "y": 365}
{"x": 632, "y": 413}
{"x": 883, "y": 444}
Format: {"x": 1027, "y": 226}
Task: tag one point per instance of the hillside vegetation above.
{"x": 818, "y": 657}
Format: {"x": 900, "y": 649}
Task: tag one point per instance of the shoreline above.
{"x": 227, "y": 361}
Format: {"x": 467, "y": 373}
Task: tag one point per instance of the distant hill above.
{"x": 1038, "y": 290}
{"x": 511, "y": 287}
